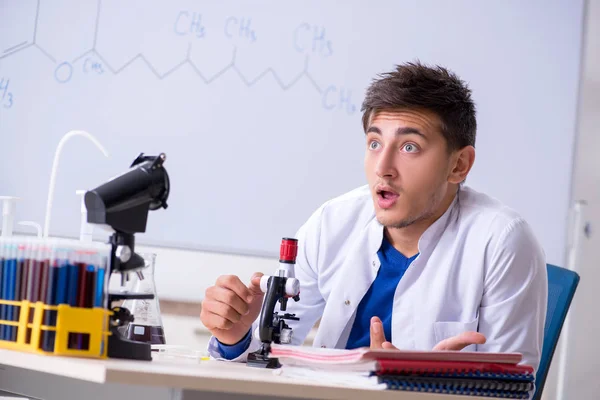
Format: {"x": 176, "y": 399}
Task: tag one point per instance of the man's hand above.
{"x": 461, "y": 341}
{"x": 458, "y": 342}
{"x": 229, "y": 308}
{"x": 378, "y": 335}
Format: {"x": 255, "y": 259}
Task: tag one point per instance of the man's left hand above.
{"x": 456, "y": 343}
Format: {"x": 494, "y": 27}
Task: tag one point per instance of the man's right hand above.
{"x": 229, "y": 307}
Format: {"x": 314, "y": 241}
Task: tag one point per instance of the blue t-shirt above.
{"x": 379, "y": 299}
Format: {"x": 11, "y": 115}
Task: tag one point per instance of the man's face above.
{"x": 407, "y": 166}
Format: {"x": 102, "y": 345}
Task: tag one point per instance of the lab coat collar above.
{"x": 432, "y": 235}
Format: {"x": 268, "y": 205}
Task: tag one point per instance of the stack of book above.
{"x": 450, "y": 372}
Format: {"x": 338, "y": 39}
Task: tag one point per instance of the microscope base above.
{"x": 259, "y": 360}
{"x": 119, "y": 347}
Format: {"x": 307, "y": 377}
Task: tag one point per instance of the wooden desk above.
{"x": 64, "y": 378}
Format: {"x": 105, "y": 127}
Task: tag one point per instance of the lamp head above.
{"x": 124, "y": 201}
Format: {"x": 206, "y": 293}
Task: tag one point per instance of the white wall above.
{"x": 583, "y": 345}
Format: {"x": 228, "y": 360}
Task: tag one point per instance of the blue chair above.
{"x": 561, "y": 289}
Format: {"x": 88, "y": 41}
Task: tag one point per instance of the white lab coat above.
{"x": 479, "y": 268}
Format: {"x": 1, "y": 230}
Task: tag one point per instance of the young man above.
{"x": 415, "y": 259}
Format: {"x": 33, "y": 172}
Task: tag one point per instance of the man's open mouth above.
{"x": 386, "y": 197}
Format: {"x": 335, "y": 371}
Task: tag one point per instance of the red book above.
{"x": 415, "y": 367}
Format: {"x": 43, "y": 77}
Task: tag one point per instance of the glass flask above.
{"x": 147, "y": 323}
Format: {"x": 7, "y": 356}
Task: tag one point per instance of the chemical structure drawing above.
{"x": 310, "y": 40}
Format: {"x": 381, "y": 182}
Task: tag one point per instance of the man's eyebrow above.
{"x": 373, "y": 129}
{"x": 400, "y": 131}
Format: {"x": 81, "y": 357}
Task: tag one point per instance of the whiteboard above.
{"x": 257, "y": 105}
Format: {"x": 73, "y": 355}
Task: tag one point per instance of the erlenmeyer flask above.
{"x": 147, "y": 324}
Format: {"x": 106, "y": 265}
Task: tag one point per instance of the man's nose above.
{"x": 385, "y": 166}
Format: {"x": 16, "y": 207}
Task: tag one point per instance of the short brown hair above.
{"x": 416, "y": 86}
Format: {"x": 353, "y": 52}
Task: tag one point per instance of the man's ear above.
{"x": 461, "y": 163}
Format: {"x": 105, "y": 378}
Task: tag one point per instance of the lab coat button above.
{"x": 374, "y": 263}
{"x": 323, "y": 347}
{"x": 347, "y": 302}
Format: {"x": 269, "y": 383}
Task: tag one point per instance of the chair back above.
{"x": 562, "y": 284}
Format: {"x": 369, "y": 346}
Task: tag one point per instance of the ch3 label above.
{"x": 240, "y": 28}
{"x": 92, "y": 65}
{"x": 6, "y": 96}
{"x": 312, "y": 39}
{"x": 335, "y": 98}
{"x": 189, "y": 23}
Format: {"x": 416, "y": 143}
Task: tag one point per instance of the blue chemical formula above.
{"x": 312, "y": 40}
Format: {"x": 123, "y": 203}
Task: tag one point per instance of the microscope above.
{"x": 121, "y": 205}
{"x": 278, "y": 289}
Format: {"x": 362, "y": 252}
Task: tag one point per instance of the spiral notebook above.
{"x": 465, "y": 387}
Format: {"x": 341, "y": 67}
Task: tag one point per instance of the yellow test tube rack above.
{"x": 27, "y": 331}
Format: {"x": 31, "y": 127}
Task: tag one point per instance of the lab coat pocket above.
{"x": 447, "y": 329}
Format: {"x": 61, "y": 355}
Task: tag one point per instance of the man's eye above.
{"x": 373, "y": 145}
{"x": 410, "y": 148}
